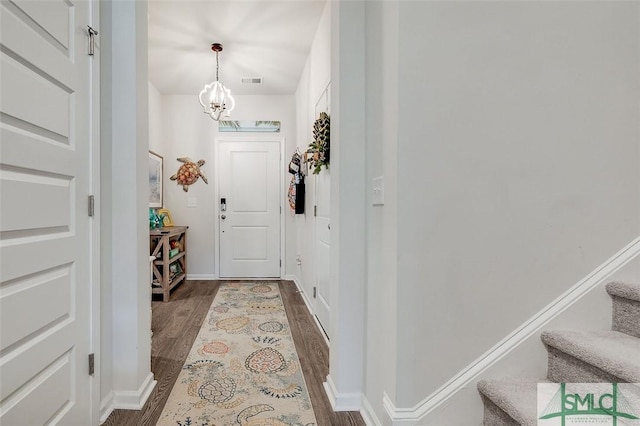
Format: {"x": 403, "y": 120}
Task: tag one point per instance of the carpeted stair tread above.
{"x": 515, "y": 396}
{"x": 625, "y": 316}
{"x": 615, "y": 353}
{"x": 624, "y": 290}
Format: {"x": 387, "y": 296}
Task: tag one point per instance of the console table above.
{"x": 168, "y": 271}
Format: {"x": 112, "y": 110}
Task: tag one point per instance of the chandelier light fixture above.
{"x": 215, "y": 98}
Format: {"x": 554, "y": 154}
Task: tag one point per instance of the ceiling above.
{"x": 261, "y": 38}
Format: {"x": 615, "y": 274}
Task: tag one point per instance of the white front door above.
{"x": 45, "y": 245}
{"x": 322, "y": 248}
{"x": 249, "y": 208}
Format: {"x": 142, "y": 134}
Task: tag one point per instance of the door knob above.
{"x": 223, "y": 217}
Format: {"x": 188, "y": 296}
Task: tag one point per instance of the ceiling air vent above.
{"x": 251, "y": 80}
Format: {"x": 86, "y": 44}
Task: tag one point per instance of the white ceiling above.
{"x": 261, "y": 38}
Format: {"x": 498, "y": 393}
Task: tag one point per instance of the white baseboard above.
{"x": 342, "y": 401}
{"x": 368, "y": 414}
{"x": 305, "y": 298}
{"x": 134, "y": 400}
{"x": 106, "y": 407}
{"x": 202, "y": 277}
{"x": 400, "y": 416}
{"x": 307, "y": 302}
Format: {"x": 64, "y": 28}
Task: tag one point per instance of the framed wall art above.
{"x": 167, "y": 220}
{"x": 155, "y": 180}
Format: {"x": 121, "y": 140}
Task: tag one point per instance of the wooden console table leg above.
{"x": 166, "y": 279}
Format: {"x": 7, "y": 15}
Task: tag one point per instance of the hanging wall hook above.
{"x": 92, "y": 42}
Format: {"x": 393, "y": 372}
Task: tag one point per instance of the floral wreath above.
{"x": 319, "y": 149}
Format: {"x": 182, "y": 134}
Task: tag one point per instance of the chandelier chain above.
{"x": 217, "y": 66}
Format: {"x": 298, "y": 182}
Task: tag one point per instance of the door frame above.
{"x": 95, "y": 254}
{"x": 216, "y": 193}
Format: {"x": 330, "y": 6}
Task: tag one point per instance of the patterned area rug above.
{"x": 243, "y": 368}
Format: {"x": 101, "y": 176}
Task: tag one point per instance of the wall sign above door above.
{"x": 249, "y": 126}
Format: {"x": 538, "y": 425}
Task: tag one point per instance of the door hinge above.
{"x": 315, "y": 292}
{"x": 92, "y": 364}
{"x": 92, "y": 203}
{"x": 281, "y": 263}
{"x": 315, "y": 211}
{"x": 92, "y": 40}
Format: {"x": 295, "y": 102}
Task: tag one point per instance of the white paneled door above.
{"x": 322, "y": 231}
{"x": 322, "y": 249}
{"x": 249, "y": 209}
{"x": 45, "y": 230}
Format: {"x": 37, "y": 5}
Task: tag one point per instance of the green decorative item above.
{"x": 318, "y": 152}
{"x": 153, "y": 219}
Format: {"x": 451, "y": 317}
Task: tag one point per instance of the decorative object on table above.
{"x": 243, "y": 368}
{"x": 215, "y": 98}
{"x": 166, "y": 218}
{"x": 249, "y": 126}
{"x": 155, "y": 221}
{"x": 174, "y": 268}
{"x": 318, "y": 151}
{"x": 155, "y": 180}
{"x": 175, "y": 244}
{"x": 189, "y": 173}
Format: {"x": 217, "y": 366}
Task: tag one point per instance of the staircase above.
{"x": 573, "y": 357}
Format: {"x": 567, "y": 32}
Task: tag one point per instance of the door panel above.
{"x": 249, "y": 179}
{"x": 45, "y": 158}
{"x": 322, "y": 248}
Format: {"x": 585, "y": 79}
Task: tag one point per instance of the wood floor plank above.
{"x": 175, "y": 325}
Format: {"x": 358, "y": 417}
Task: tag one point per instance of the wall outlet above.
{"x": 192, "y": 202}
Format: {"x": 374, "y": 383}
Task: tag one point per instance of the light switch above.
{"x": 192, "y": 202}
{"x": 378, "y": 191}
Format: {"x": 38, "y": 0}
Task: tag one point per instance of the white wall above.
{"x": 125, "y": 353}
{"x": 382, "y": 246}
{"x": 156, "y": 117}
{"x": 188, "y": 132}
{"x": 518, "y": 168}
{"x": 512, "y": 129}
{"x": 348, "y": 205}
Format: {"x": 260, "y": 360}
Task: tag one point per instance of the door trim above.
{"x": 216, "y": 193}
{"x": 95, "y": 226}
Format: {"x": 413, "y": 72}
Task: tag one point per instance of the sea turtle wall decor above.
{"x": 189, "y": 173}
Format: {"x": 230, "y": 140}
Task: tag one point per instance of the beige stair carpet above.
{"x": 243, "y": 368}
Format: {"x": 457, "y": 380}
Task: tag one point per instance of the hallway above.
{"x": 175, "y": 325}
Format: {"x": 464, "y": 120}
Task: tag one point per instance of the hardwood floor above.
{"x": 175, "y": 325}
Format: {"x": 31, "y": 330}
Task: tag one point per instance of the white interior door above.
{"x": 45, "y": 246}
{"x": 249, "y": 211}
{"x": 322, "y": 232}
{"x": 322, "y": 248}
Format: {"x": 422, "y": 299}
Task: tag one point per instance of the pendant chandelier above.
{"x": 215, "y": 98}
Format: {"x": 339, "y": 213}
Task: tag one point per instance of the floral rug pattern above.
{"x": 243, "y": 368}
